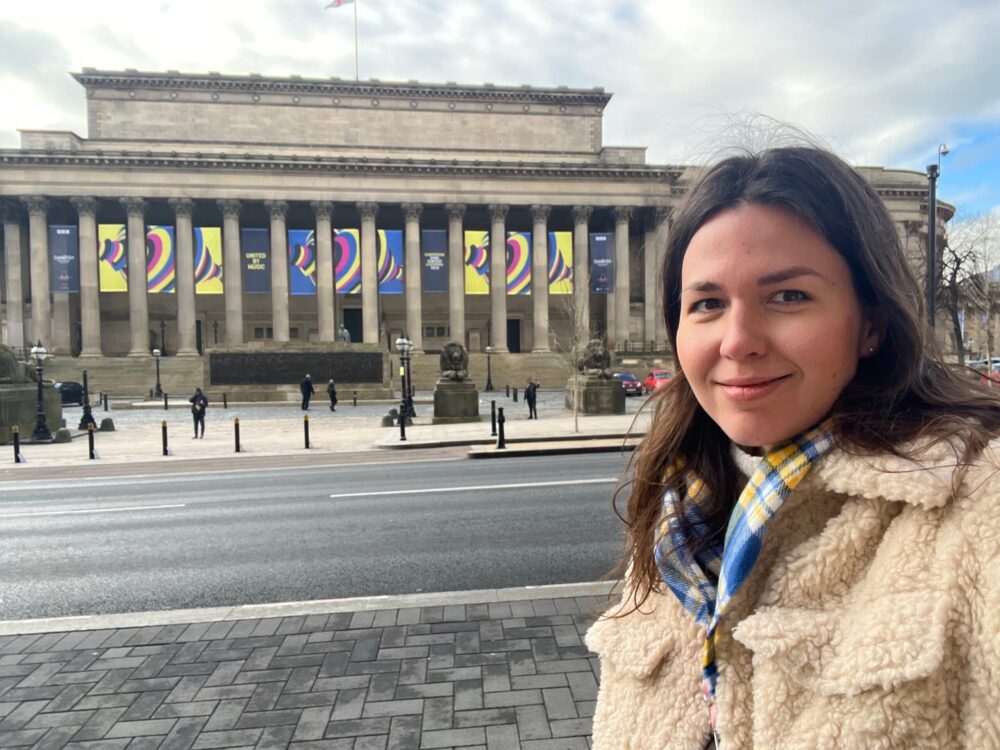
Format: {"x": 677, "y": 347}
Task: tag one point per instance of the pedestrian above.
{"x": 331, "y": 391}
{"x": 531, "y": 398}
{"x": 812, "y": 541}
{"x": 306, "y": 386}
{"x": 199, "y": 405}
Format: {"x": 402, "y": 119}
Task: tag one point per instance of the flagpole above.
{"x": 356, "y": 40}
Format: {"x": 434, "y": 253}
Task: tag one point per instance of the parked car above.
{"x": 71, "y": 393}
{"x": 630, "y": 384}
{"x": 655, "y": 379}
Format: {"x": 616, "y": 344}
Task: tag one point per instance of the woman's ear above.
{"x": 872, "y": 332}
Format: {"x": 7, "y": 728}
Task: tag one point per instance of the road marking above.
{"x": 90, "y": 510}
{"x": 469, "y": 488}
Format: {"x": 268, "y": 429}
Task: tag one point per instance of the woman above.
{"x": 812, "y": 529}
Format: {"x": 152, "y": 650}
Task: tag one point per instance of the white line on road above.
{"x": 469, "y": 488}
{"x": 89, "y": 510}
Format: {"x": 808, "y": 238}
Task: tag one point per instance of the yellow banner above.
{"x": 560, "y": 263}
{"x": 112, "y": 257}
{"x": 207, "y": 260}
{"x": 477, "y": 262}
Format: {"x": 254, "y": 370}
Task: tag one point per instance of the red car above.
{"x": 655, "y": 379}
{"x": 630, "y": 385}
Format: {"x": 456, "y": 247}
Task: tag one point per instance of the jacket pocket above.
{"x": 882, "y": 643}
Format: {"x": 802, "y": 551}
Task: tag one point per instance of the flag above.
{"x": 338, "y": 3}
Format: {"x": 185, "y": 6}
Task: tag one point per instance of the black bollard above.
{"x": 508, "y": 391}
{"x": 225, "y": 400}
{"x": 501, "y": 442}
{"x": 15, "y": 431}
{"x": 236, "y": 429}
{"x": 355, "y": 398}
{"x": 165, "y": 407}
{"x": 91, "y": 453}
{"x": 515, "y": 395}
{"x": 163, "y": 432}
{"x": 493, "y": 418}
{"x": 305, "y": 427}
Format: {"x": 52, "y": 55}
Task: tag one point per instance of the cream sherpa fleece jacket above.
{"x": 872, "y": 621}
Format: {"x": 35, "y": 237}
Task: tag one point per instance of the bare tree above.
{"x": 971, "y": 279}
{"x": 570, "y": 347}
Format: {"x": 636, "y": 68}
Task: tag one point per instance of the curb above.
{"x": 291, "y": 609}
{"x": 542, "y": 439}
{"x": 547, "y": 449}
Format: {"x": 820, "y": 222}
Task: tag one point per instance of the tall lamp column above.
{"x": 489, "y": 370}
{"x": 933, "y": 171}
{"x": 404, "y": 346}
{"x": 41, "y": 433}
{"x": 158, "y": 392}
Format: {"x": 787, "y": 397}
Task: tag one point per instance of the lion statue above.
{"x": 454, "y": 362}
{"x": 594, "y": 360}
{"x": 12, "y": 371}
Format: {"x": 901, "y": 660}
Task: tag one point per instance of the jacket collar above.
{"x": 927, "y": 480}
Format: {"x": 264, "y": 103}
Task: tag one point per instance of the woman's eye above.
{"x": 705, "y": 305}
{"x": 790, "y": 296}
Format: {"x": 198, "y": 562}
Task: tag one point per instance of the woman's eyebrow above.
{"x": 702, "y": 286}
{"x": 785, "y": 275}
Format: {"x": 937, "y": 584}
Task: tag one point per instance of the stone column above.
{"x": 540, "y": 275}
{"x": 90, "y": 290}
{"x": 186, "y": 341}
{"x": 369, "y": 273}
{"x": 498, "y": 276}
{"x": 138, "y": 307}
{"x": 456, "y": 272}
{"x": 279, "y": 269}
{"x": 38, "y": 237}
{"x": 324, "y": 269}
{"x": 623, "y": 290}
{"x": 232, "y": 271}
{"x": 581, "y": 273}
{"x": 655, "y": 243}
{"x": 411, "y": 275}
{"x": 12, "y": 266}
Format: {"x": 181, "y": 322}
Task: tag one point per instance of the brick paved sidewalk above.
{"x": 495, "y": 675}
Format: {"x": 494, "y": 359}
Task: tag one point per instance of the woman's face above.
{"x": 770, "y": 328}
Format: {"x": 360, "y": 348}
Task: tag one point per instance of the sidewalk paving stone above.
{"x": 497, "y": 675}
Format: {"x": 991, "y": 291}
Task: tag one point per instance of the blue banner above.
{"x": 64, "y": 256}
{"x": 301, "y": 261}
{"x": 602, "y": 264}
{"x": 434, "y": 260}
{"x": 256, "y": 269}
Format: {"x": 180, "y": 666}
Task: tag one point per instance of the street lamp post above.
{"x": 489, "y": 370}
{"x": 404, "y": 346}
{"x": 163, "y": 337}
{"x": 933, "y": 171}
{"x": 159, "y": 391}
{"x": 41, "y": 433}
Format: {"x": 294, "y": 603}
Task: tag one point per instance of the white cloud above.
{"x": 882, "y": 82}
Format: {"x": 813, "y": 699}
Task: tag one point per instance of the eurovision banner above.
{"x": 256, "y": 268}
{"x": 347, "y": 260}
{"x": 112, "y": 258}
{"x": 208, "y": 260}
{"x": 301, "y": 261}
{"x": 602, "y": 264}
{"x": 518, "y": 263}
{"x": 560, "y": 262}
{"x": 161, "y": 275}
{"x": 64, "y": 256}
{"x": 477, "y": 262}
{"x": 434, "y": 261}
{"x": 389, "y": 243}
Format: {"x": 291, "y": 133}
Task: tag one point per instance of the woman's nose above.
{"x": 744, "y": 334}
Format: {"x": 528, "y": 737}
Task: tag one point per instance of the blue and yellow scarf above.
{"x": 705, "y": 582}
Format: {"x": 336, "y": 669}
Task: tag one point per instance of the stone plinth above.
{"x": 18, "y": 403}
{"x": 597, "y": 395}
{"x": 455, "y": 402}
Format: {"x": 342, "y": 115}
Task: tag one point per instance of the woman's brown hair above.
{"x": 901, "y": 393}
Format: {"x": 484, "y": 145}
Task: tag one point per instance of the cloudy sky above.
{"x": 880, "y": 81}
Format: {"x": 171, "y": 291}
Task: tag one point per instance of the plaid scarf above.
{"x": 706, "y": 581}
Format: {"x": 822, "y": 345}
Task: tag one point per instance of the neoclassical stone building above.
{"x": 232, "y": 172}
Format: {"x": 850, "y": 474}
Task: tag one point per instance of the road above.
{"x": 74, "y": 547}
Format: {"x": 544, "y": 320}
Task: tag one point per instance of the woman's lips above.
{"x": 745, "y": 389}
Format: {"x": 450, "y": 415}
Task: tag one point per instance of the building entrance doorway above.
{"x": 513, "y": 335}
{"x": 352, "y": 322}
